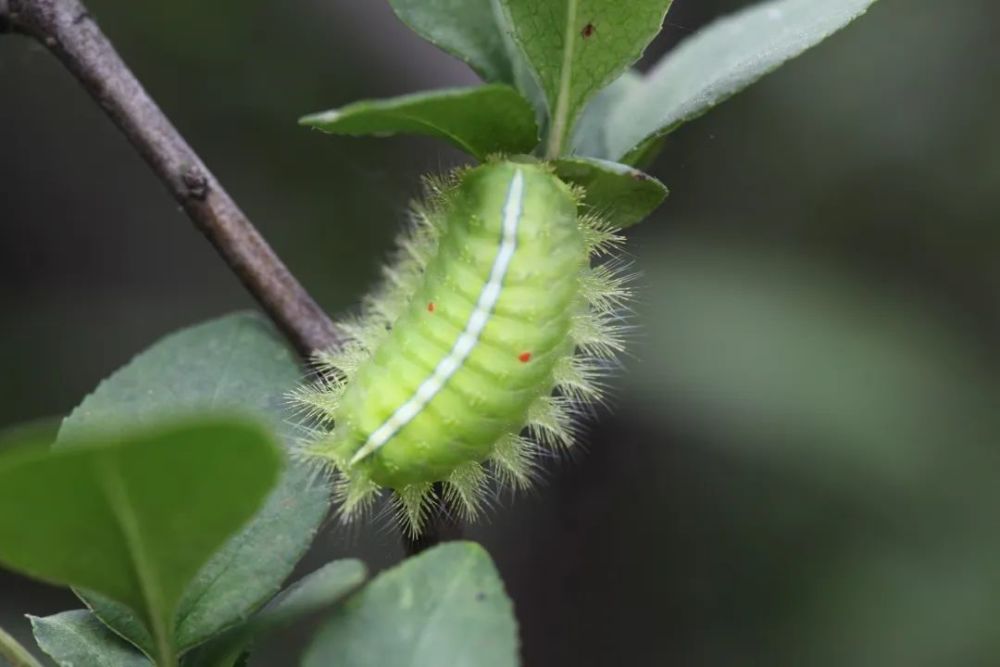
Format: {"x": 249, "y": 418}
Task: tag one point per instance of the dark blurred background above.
{"x": 802, "y": 464}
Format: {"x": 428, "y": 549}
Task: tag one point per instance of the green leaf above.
{"x": 121, "y": 619}
{"x": 577, "y": 47}
{"x": 77, "y": 638}
{"x": 589, "y": 138}
{"x": 467, "y": 29}
{"x": 643, "y": 155}
{"x": 479, "y": 120}
{"x": 446, "y": 606}
{"x": 134, "y": 516}
{"x": 477, "y": 33}
{"x": 624, "y": 194}
{"x": 235, "y": 363}
{"x": 312, "y": 594}
{"x": 719, "y": 61}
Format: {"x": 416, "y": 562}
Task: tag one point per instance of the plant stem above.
{"x": 10, "y": 649}
{"x": 69, "y": 32}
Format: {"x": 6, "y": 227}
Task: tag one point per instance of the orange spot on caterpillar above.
{"x": 524, "y": 357}
{"x": 430, "y": 307}
{"x": 588, "y": 30}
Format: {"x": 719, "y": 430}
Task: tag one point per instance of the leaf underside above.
{"x": 718, "y": 62}
{"x": 78, "y": 637}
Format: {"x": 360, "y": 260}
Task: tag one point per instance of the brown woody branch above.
{"x": 69, "y": 32}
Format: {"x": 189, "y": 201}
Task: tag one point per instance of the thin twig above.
{"x": 69, "y": 32}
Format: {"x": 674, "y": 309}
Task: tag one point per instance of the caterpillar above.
{"x": 491, "y": 330}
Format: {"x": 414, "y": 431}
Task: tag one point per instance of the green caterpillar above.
{"x": 490, "y": 322}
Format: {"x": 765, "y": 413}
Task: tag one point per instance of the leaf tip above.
{"x": 318, "y": 120}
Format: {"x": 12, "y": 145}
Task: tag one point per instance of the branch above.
{"x": 69, "y": 32}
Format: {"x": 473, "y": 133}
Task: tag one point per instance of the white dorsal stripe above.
{"x": 466, "y": 341}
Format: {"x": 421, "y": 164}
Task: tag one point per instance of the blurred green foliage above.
{"x": 134, "y": 515}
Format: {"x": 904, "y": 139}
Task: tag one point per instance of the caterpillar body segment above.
{"x": 489, "y": 308}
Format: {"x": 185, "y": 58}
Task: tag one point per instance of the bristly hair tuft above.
{"x": 413, "y": 506}
{"x": 601, "y": 236}
{"x": 513, "y": 462}
{"x": 356, "y": 496}
{"x": 465, "y": 489}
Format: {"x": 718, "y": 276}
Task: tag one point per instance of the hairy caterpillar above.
{"x": 491, "y": 321}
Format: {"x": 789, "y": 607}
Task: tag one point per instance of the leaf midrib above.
{"x": 117, "y": 496}
{"x": 458, "y": 577}
{"x": 561, "y": 112}
{"x": 84, "y": 640}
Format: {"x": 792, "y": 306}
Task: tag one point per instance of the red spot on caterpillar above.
{"x": 524, "y": 357}
{"x": 430, "y": 307}
{"x": 588, "y": 30}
